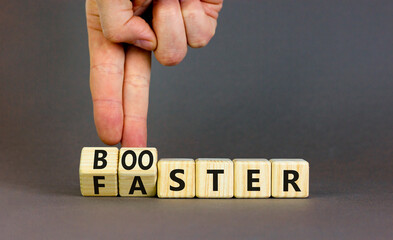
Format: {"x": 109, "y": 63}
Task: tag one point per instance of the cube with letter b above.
{"x": 98, "y": 171}
{"x": 290, "y": 178}
{"x": 176, "y": 178}
{"x": 252, "y": 178}
{"x": 214, "y": 178}
{"x": 138, "y": 172}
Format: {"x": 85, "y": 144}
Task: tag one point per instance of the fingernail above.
{"x": 145, "y": 44}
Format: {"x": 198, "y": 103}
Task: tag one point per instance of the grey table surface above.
{"x": 280, "y": 79}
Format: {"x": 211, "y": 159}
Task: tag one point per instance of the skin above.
{"x": 120, "y": 45}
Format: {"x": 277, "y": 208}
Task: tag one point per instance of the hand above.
{"x": 178, "y": 23}
{"x": 120, "y": 73}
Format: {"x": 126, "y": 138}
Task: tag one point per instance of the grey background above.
{"x": 309, "y": 79}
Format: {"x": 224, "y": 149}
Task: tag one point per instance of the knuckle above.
{"x": 107, "y": 104}
{"x": 191, "y": 15}
{"x": 201, "y": 40}
{"x": 135, "y": 117}
{"x": 107, "y": 68}
{"x": 166, "y": 13}
{"x": 199, "y": 43}
{"x": 171, "y": 58}
{"x": 137, "y": 81}
{"x": 112, "y": 35}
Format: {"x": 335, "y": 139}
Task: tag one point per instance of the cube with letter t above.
{"x": 98, "y": 171}
{"x": 214, "y": 178}
{"x": 290, "y": 178}
{"x": 138, "y": 172}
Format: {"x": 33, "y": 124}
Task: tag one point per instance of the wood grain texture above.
{"x": 279, "y": 166}
{"x": 204, "y": 181}
{"x": 181, "y": 168}
{"x": 131, "y": 172}
{"x": 106, "y": 177}
{"x": 260, "y": 172}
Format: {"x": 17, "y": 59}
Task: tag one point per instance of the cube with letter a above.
{"x": 137, "y": 172}
{"x": 98, "y": 171}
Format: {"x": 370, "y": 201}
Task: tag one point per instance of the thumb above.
{"x": 120, "y": 25}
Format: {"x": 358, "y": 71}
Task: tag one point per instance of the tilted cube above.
{"x": 98, "y": 171}
{"x": 137, "y": 172}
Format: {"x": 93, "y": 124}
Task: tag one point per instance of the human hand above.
{"x": 120, "y": 73}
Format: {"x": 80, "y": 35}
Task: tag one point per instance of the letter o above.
{"x": 150, "y": 160}
{"x": 123, "y": 160}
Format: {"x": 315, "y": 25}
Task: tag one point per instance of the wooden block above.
{"x": 176, "y": 178}
{"x": 252, "y": 178}
{"x": 290, "y": 178}
{"x": 98, "y": 171}
{"x": 137, "y": 172}
{"x": 214, "y": 178}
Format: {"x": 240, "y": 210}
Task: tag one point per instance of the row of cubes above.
{"x": 106, "y": 171}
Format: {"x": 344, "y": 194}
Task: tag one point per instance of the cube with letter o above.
{"x": 137, "y": 172}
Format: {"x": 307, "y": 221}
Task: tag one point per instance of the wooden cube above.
{"x": 252, "y": 178}
{"x": 98, "y": 171}
{"x": 290, "y": 178}
{"x": 214, "y": 178}
{"x": 176, "y": 178}
{"x": 137, "y": 172}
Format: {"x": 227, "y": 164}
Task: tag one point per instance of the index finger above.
{"x": 106, "y": 79}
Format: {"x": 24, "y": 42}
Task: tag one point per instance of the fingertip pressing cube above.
{"x": 176, "y": 178}
{"x": 290, "y": 178}
{"x": 252, "y": 178}
{"x": 137, "y": 172}
{"x": 98, "y": 171}
{"x": 214, "y": 178}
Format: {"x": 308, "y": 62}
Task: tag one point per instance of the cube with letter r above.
{"x": 290, "y": 178}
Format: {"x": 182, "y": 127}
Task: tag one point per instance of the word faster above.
{"x": 136, "y": 172}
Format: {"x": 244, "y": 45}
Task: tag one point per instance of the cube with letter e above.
{"x": 252, "y": 178}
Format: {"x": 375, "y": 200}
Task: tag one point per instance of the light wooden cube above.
{"x": 98, "y": 171}
{"x": 290, "y": 178}
{"x": 252, "y": 178}
{"x": 176, "y": 178}
{"x": 214, "y": 178}
{"x": 137, "y": 172}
